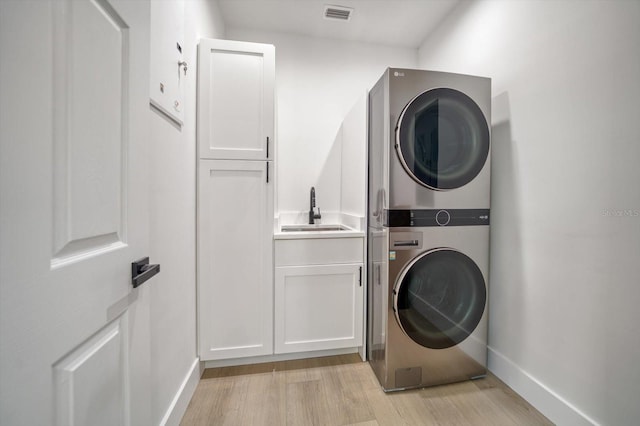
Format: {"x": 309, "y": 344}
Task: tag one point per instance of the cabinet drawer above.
{"x": 319, "y": 251}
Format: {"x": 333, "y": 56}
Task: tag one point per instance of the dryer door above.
{"x": 442, "y": 139}
{"x": 439, "y": 298}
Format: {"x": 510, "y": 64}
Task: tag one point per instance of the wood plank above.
{"x": 343, "y": 386}
{"x": 306, "y": 404}
{"x": 344, "y": 391}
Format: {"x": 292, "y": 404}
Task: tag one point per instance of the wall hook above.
{"x": 183, "y": 64}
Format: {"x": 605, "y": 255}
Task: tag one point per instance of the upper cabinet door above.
{"x": 235, "y": 100}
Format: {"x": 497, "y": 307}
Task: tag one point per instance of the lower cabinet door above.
{"x": 235, "y": 258}
{"x": 318, "y": 307}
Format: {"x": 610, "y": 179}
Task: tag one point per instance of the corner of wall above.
{"x": 181, "y": 400}
{"x": 549, "y": 403}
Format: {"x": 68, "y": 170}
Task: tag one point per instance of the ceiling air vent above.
{"x": 340, "y": 13}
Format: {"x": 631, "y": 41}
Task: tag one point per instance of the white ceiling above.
{"x": 390, "y": 22}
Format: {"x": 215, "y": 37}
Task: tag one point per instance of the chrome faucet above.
{"x": 312, "y": 205}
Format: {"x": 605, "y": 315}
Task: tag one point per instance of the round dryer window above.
{"x": 439, "y": 298}
{"x": 442, "y": 139}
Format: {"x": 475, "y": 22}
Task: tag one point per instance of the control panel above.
{"x": 441, "y": 217}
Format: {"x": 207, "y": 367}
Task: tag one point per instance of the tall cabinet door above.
{"x": 235, "y": 99}
{"x": 235, "y": 231}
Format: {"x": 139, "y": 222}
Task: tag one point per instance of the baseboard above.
{"x": 178, "y": 406}
{"x": 277, "y": 357}
{"x": 545, "y": 400}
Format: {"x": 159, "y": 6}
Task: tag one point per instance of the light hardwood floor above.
{"x": 343, "y": 390}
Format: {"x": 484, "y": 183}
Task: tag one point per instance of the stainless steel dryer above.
{"x": 430, "y": 140}
{"x": 428, "y": 304}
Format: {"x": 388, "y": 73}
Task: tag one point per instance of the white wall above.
{"x": 565, "y": 286}
{"x": 173, "y": 229}
{"x": 353, "y": 133}
{"x": 317, "y": 82}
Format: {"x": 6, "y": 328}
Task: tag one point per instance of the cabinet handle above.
{"x": 360, "y": 276}
{"x": 267, "y": 147}
{"x": 267, "y": 172}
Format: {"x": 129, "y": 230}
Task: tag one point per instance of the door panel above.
{"x": 85, "y": 379}
{"x": 90, "y": 129}
{"x": 236, "y": 109}
{"x": 73, "y": 333}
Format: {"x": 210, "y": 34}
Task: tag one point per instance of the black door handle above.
{"x": 141, "y": 271}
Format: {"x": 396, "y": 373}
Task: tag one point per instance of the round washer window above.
{"x": 442, "y": 139}
{"x": 439, "y": 298}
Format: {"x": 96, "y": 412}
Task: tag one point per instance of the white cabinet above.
{"x": 235, "y": 99}
{"x": 318, "y": 307}
{"x": 318, "y": 295}
{"x": 235, "y": 200}
{"x": 235, "y": 262}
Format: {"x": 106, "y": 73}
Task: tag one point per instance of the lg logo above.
{"x": 398, "y": 74}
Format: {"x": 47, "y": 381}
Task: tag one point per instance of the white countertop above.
{"x": 352, "y": 224}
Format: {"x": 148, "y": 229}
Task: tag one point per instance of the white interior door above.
{"x": 74, "y": 335}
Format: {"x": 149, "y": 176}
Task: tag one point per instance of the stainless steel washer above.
{"x": 428, "y": 322}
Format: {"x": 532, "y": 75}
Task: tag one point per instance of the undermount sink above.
{"x": 314, "y": 228}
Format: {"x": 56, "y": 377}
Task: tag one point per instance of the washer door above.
{"x": 439, "y": 298}
{"x": 442, "y": 139}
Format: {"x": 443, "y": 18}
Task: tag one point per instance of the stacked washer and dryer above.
{"x": 428, "y": 227}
